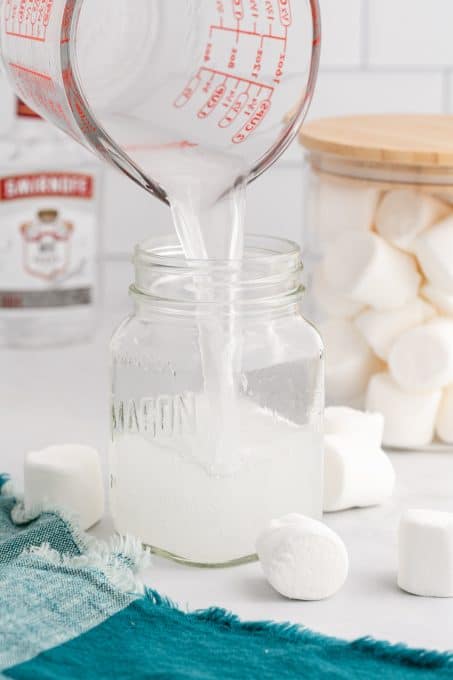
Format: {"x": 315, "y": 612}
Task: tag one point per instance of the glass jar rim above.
{"x": 269, "y": 274}
{"x": 166, "y": 251}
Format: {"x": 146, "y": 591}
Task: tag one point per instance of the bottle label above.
{"x": 48, "y": 238}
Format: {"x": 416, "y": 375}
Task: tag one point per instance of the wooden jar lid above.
{"x": 423, "y": 140}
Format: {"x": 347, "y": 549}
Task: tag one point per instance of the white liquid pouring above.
{"x": 207, "y": 197}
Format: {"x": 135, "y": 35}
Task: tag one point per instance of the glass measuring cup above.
{"x": 227, "y": 80}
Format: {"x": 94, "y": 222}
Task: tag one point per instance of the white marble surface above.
{"x": 62, "y": 396}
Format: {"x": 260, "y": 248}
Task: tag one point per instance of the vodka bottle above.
{"x": 49, "y": 235}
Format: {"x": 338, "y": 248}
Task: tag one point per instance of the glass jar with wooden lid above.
{"x": 379, "y": 256}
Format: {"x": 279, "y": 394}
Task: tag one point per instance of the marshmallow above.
{"x": 349, "y": 361}
{"x": 358, "y": 207}
{"x": 444, "y": 424}
{"x": 409, "y": 418}
{"x": 367, "y": 269}
{"x": 441, "y": 300}
{"x": 357, "y": 474}
{"x": 67, "y": 476}
{"x": 341, "y": 420}
{"x": 433, "y": 249}
{"x": 331, "y": 303}
{"x": 421, "y": 360}
{"x": 302, "y": 559}
{"x": 404, "y": 213}
{"x": 381, "y": 328}
{"x": 425, "y": 553}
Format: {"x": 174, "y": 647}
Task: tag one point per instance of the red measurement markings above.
{"x": 37, "y": 74}
{"x": 208, "y": 83}
{"x": 233, "y": 58}
{"x": 286, "y": 18}
{"x": 39, "y": 89}
{"x": 279, "y": 71}
{"x": 238, "y": 9}
{"x": 258, "y": 63}
{"x": 269, "y": 10}
{"x": 255, "y": 120}
{"x": 229, "y": 76}
{"x": 182, "y": 144}
{"x": 244, "y": 32}
{"x": 188, "y": 92}
{"x": 27, "y": 19}
{"x": 252, "y": 105}
{"x": 234, "y": 111}
{"x": 246, "y": 97}
{"x": 255, "y": 109}
{"x": 231, "y": 96}
{"x": 67, "y": 20}
{"x": 254, "y": 9}
{"x": 213, "y": 102}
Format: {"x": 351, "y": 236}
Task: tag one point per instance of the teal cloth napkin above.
{"x": 72, "y": 607}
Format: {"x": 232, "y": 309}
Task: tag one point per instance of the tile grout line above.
{"x": 364, "y": 35}
{"x": 387, "y": 69}
{"x": 446, "y": 90}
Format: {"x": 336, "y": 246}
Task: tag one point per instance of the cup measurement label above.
{"x": 243, "y": 63}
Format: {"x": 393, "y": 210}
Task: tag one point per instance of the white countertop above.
{"x": 61, "y": 395}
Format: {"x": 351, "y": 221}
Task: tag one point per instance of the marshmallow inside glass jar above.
{"x": 379, "y": 264}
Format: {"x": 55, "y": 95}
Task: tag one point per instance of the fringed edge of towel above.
{"x": 385, "y": 651}
{"x": 120, "y": 559}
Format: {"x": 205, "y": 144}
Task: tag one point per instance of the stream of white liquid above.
{"x": 207, "y": 198}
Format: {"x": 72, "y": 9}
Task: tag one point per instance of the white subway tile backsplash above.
{"x": 373, "y": 92}
{"x": 275, "y": 203}
{"x": 411, "y": 33}
{"x": 293, "y": 155}
{"x": 341, "y": 34}
{"x": 130, "y": 215}
{"x": 449, "y": 93}
{"x": 6, "y": 105}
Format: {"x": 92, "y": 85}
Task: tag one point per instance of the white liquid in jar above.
{"x": 165, "y": 493}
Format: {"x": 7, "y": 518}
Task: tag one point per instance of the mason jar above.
{"x": 379, "y": 250}
{"x": 217, "y": 402}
